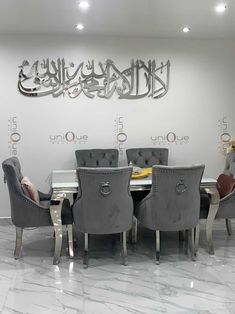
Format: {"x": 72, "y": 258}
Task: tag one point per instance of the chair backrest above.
{"x": 104, "y": 204}
{"x": 174, "y": 200}
{"x": 13, "y": 177}
{"x": 229, "y": 169}
{"x": 24, "y": 211}
{"x": 147, "y": 157}
{"x": 97, "y": 157}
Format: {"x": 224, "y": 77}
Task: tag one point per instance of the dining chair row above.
{"x": 26, "y": 212}
{"x": 141, "y": 157}
{"x": 104, "y": 204}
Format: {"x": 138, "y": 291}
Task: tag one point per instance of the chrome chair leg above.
{"x": 18, "y": 244}
{"x": 229, "y": 226}
{"x": 197, "y": 235}
{"x": 70, "y": 240}
{"x": 157, "y": 247}
{"x": 192, "y": 244}
{"x": 134, "y": 230}
{"x": 75, "y": 236}
{"x": 85, "y": 257}
{"x": 124, "y": 249}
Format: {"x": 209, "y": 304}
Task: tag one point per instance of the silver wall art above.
{"x": 57, "y": 78}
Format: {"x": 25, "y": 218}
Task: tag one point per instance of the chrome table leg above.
{"x": 214, "y": 206}
{"x": 55, "y": 211}
{"x": 70, "y": 240}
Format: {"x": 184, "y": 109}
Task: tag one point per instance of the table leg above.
{"x": 55, "y": 211}
{"x": 214, "y": 206}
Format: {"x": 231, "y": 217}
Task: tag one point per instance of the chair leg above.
{"x": 134, "y": 230}
{"x": 124, "y": 249}
{"x": 18, "y": 244}
{"x": 197, "y": 234}
{"x": 75, "y": 237}
{"x": 157, "y": 247}
{"x": 192, "y": 244}
{"x": 70, "y": 239}
{"x": 229, "y": 227}
{"x": 85, "y": 257}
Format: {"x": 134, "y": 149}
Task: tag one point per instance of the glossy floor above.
{"x": 177, "y": 285}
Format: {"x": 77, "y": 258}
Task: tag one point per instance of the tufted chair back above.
{"x": 97, "y": 158}
{"x": 229, "y": 169}
{"x": 174, "y": 200}
{"x": 147, "y": 157}
{"x": 24, "y": 211}
{"x": 104, "y": 204}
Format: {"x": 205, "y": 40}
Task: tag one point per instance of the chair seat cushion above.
{"x": 225, "y": 185}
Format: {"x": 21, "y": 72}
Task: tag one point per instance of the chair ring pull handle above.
{"x": 181, "y": 187}
{"x": 105, "y": 188}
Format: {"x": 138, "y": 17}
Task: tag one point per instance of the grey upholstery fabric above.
{"x": 24, "y": 211}
{"x": 97, "y": 157}
{"x": 104, "y": 204}
{"x": 147, "y": 157}
{"x": 227, "y": 207}
{"x": 227, "y": 204}
{"x": 229, "y": 169}
{"x": 173, "y": 203}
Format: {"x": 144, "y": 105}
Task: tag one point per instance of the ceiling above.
{"x": 151, "y": 18}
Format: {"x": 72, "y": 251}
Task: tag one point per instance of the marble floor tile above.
{"x": 32, "y": 285}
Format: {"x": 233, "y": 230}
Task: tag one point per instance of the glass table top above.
{"x": 68, "y": 179}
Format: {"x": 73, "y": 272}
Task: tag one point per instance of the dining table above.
{"x": 65, "y": 182}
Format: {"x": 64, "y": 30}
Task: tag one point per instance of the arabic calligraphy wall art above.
{"x": 57, "y": 78}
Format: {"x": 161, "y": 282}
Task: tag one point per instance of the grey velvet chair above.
{"x": 104, "y": 204}
{"x": 147, "y": 157}
{"x": 25, "y": 213}
{"x": 227, "y": 204}
{"x": 173, "y": 203}
{"x": 97, "y": 157}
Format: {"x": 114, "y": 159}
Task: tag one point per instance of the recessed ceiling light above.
{"x": 80, "y": 27}
{"x": 220, "y": 8}
{"x": 186, "y": 29}
{"x": 84, "y": 5}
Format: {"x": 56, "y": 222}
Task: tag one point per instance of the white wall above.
{"x": 200, "y": 96}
